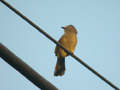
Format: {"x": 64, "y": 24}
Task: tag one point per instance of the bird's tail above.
{"x": 60, "y": 67}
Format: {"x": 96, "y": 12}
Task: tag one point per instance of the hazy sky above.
{"x": 98, "y": 25}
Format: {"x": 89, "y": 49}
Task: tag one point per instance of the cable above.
{"x": 24, "y": 69}
{"x": 52, "y": 39}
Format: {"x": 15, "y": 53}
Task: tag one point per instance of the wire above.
{"x": 52, "y": 39}
{"x": 25, "y": 69}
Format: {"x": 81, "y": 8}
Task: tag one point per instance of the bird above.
{"x": 68, "y": 41}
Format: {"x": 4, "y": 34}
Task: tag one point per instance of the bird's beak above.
{"x": 63, "y": 27}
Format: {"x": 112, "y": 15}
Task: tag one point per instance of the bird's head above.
{"x": 69, "y": 29}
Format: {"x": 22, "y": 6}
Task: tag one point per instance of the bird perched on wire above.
{"x": 68, "y": 41}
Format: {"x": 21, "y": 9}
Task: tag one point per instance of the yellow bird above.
{"x": 68, "y": 41}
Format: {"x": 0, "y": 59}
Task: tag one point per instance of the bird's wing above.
{"x": 61, "y": 41}
{"x": 56, "y": 50}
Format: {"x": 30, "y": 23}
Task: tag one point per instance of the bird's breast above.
{"x": 71, "y": 42}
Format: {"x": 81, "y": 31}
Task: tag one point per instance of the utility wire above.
{"x": 52, "y": 39}
{"x": 24, "y": 69}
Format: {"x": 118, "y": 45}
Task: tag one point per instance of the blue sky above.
{"x": 98, "y": 25}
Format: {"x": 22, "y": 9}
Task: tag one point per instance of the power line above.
{"x": 24, "y": 69}
{"x": 52, "y": 39}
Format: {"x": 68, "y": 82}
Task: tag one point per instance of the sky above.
{"x": 98, "y": 26}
